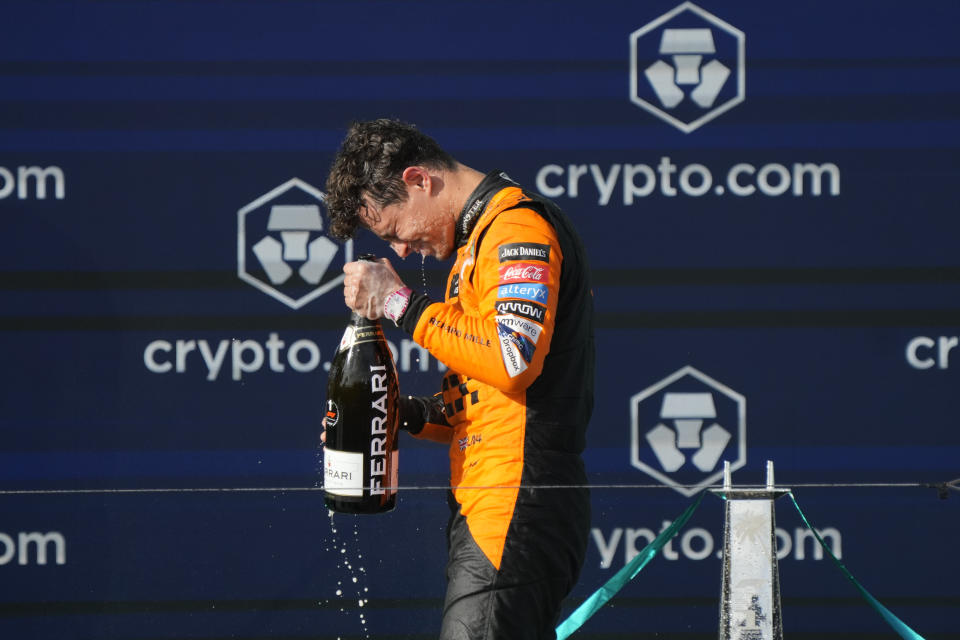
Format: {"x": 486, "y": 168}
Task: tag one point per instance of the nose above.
{"x": 402, "y": 249}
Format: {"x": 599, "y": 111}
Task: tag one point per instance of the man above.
{"x": 516, "y": 332}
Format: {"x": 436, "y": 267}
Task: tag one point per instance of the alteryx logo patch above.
{"x": 533, "y": 292}
{"x": 687, "y": 67}
{"x": 282, "y": 249}
{"x": 683, "y": 426}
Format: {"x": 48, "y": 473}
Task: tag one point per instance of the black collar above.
{"x": 476, "y": 204}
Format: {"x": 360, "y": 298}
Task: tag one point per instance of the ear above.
{"x": 417, "y": 178}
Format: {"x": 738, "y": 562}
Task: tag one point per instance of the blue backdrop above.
{"x": 768, "y": 194}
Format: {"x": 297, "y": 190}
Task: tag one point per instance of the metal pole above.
{"x": 750, "y": 597}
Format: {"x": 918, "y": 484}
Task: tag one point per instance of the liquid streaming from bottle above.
{"x": 353, "y": 574}
{"x": 423, "y": 272}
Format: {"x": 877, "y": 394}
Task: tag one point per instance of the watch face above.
{"x": 396, "y": 304}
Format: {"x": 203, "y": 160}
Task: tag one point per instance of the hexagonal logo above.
{"x": 687, "y": 67}
{"x": 281, "y": 246}
{"x": 684, "y": 426}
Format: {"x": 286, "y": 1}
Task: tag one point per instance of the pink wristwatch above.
{"x": 396, "y": 303}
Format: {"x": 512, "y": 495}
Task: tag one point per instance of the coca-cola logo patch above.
{"x": 524, "y": 272}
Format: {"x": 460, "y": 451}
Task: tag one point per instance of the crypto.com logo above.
{"x": 687, "y": 67}
{"x": 682, "y": 426}
{"x": 281, "y": 249}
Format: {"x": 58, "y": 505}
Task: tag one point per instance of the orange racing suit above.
{"x": 516, "y": 332}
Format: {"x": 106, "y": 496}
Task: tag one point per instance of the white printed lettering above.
{"x": 213, "y": 362}
{"x": 605, "y": 184}
{"x": 640, "y": 180}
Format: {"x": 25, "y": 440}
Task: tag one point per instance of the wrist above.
{"x": 396, "y": 304}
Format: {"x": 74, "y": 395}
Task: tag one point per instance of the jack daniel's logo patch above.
{"x": 524, "y": 251}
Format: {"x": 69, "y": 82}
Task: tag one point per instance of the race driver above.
{"x": 516, "y": 331}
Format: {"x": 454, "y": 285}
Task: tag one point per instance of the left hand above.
{"x": 367, "y": 284}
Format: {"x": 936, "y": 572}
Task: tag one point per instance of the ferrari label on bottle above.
{"x": 378, "y": 429}
{"x": 343, "y": 473}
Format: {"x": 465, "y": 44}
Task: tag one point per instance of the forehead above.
{"x": 380, "y": 220}
{"x": 369, "y": 213}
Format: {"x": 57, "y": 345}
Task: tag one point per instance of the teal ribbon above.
{"x": 895, "y": 623}
{"x": 602, "y": 595}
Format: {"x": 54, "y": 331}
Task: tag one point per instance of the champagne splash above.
{"x": 351, "y": 571}
{"x": 423, "y": 272}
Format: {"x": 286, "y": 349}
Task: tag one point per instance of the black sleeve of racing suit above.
{"x": 411, "y": 315}
{"x": 417, "y": 411}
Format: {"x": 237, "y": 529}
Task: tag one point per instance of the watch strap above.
{"x": 396, "y": 304}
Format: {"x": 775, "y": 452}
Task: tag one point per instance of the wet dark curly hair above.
{"x": 371, "y": 162}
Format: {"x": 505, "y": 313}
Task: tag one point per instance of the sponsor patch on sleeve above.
{"x": 539, "y": 293}
{"x": 527, "y": 327}
{"x": 515, "y": 350}
{"x": 523, "y": 344}
{"x": 529, "y": 310}
{"x": 524, "y": 251}
{"x": 524, "y": 272}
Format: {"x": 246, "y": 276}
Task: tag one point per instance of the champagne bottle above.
{"x": 360, "y": 456}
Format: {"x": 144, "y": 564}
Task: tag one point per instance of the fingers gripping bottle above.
{"x": 360, "y": 456}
